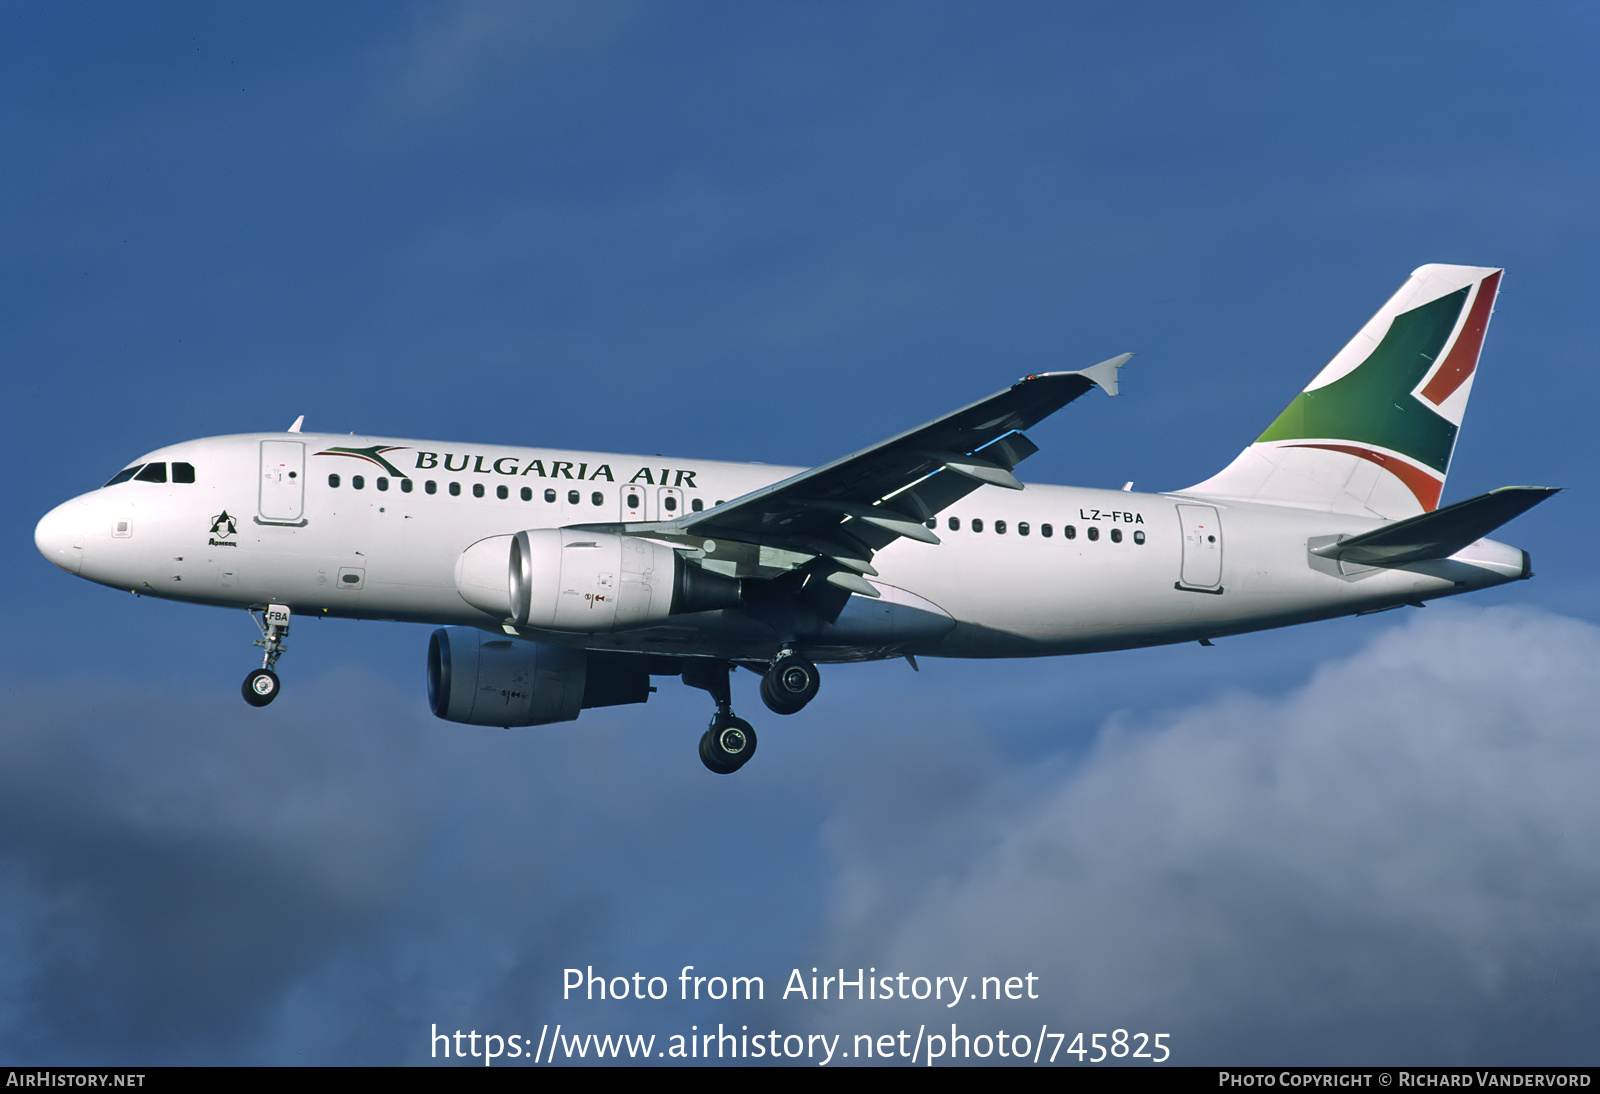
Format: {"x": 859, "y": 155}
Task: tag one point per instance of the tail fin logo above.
{"x": 1400, "y": 407}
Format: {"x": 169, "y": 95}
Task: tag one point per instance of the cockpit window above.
{"x": 125, "y": 474}
{"x": 153, "y": 472}
{"x": 183, "y": 472}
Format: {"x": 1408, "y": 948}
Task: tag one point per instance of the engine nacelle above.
{"x": 484, "y": 680}
{"x": 563, "y": 579}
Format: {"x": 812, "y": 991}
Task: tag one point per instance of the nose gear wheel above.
{"x": 261, "y": 687}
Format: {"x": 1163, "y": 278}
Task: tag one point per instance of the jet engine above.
{"x": 484, "y": 680}
{"x": 566, "y": 579}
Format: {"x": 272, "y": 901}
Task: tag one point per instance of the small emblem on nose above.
{"x": 223, "y": 525}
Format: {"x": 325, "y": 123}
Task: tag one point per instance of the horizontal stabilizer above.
{"x": 1438, "y": 534}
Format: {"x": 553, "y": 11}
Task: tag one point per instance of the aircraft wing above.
{"x": 842, "y": 512}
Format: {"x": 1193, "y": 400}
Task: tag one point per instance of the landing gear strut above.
{"x": 261, "y": 686}
{"x": 729, "y": 742}
{"x": 789, "y": 684}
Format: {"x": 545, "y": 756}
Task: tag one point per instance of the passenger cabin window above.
{"x": 633, "y": 500}
{"x": 572, "y": 497}
{"x": 183, "y": 472}
{"x": 430, "y": 487}
{"x": 405, "y": 486}
{"x": 1138, "y": 537}
{"x": 1046, "y": 531}
{"x": 999, "y": 527}
{"x": 502, "y": 493}
{"x": 527, "y": 493}
{"x": 383, "y": 483}
{"x": 670, "y": 503}
{"x": 152, "y": 472}
{"x": 977, "y": 524}
{"x": 124, "y": 475}
{"x": 455, "y": 490}
{"x": 357, "y": 481}
{"x": 697, "y": 505}
{"x": 477, "y": 489}
{"x": 1022, "y": 528}
{"x": 597, "y": 498}
{"x": 1116, "y": 535}
{"x": 333, "y": 481}
{"x": 1094, "y": 533}
{"x": 955, "y": 524}
{"x": 1070, "y": 532}
{"x": 550, "y": 496}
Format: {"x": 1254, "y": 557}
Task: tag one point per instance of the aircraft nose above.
{"x": 59, "y": 536}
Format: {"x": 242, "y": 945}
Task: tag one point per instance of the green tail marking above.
{"x": 1373, "y": 403}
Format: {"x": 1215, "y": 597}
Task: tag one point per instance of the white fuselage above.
{"x": 1134, "y": 569}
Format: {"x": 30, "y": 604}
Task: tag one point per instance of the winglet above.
{"x": 1104, "y": 375}
{"x": 298, "y": 422}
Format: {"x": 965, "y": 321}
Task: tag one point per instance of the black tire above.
{"x": 727, "y": 745}
{"x": 790, "y": 684}
{"x": 261, "y": 687}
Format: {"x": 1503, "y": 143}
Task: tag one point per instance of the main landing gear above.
{"x": 789, "y": 684}
{"x": 728, "y": 743}
{"x": 261, "y": 686}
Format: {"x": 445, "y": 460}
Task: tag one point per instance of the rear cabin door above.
{"x": 283, "y": 481}
{"x": 1202, "y": 547}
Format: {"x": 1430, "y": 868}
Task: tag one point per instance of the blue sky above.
{"x": 780, "y": 233}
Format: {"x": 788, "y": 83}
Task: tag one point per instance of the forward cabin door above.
{"x": 283, "y": 481}
{"x": 1202, "y": 548}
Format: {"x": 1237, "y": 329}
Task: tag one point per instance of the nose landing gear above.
{"x": 262, "y": 686}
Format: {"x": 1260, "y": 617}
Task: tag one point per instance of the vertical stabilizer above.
{"x": 1374, "y": 432}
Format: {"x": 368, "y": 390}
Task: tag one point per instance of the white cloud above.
{"x": 452, "y": 53}
{"x": 1400, "y": 860}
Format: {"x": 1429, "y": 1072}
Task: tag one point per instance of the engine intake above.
{"x": 565, "y": 579}
{"x": 482, "y": 680}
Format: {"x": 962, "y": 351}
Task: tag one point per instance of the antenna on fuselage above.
{"x": 298, "y": 422}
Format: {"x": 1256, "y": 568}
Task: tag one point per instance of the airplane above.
{"x": 561, "y": 581}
